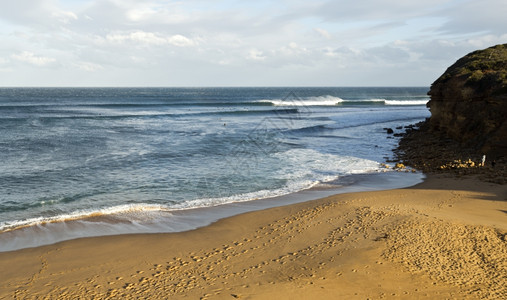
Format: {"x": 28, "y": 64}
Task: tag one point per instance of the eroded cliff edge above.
{"x": 469, "y": 101}
{"x": 468, "y": 117}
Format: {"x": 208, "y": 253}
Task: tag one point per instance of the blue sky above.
{"x": 241, "y": 43}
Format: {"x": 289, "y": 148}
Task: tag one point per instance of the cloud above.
{"x": 389, "y": 54}
{"x": 255, "y": 54}
{"x": 37, "y": 15}
{"x": 3, "y": 62}
{"x": 486, "y": 16}
{"x": 150, "y": 38}
{"x": 322, "y": 32}
{"x": 483, "y": 41}
{"x": 180, "y": 41}
{"x": 88, "y": 67}
{"x": 64, "y": 16}
{"x": 373, "y": 10}
{"x": 31, "y": 58}
{"x": 293, "y": 41}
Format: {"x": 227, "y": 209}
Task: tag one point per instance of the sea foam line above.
{"x": 333, "y": 101}
{"x": 301, "y": 182}
{"x": 312, "y": 101}
{"x": 131, "y": 209}
{"x": 406, "y": 102}
{"x": 82, "y": 214}
{"x": 319, "y": 161}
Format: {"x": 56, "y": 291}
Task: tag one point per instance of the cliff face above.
{"x": 469, "y": 101}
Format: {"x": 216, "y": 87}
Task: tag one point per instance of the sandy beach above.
{"x": 442, "y": 239}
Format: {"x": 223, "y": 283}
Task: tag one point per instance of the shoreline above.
{"x": 442, "y": 238}
{"x": 93, "y": 224}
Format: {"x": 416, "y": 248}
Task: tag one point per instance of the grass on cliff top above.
{"x": 481, "y": 68}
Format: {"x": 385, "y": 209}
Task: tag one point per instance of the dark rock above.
{"x": 389, "y": 130}
{"x": 469, "y": 101}
{"x": 468, "y": 120}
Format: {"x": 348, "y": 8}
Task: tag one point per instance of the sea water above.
{"x": 80, "y": 162}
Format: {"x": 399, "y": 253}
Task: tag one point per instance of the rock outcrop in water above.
{"x": 469, "y": 101}
{"x": 468, "y": 119}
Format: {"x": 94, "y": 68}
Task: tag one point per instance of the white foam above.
{"x": 373, "y": 100}
{"x": 263, "y": 194}
{"x": 311, "y": 101}
{"x": 406, "y": 102}
{"x": 84, "y": 214}
{"x": 302, "y": 169}
{"x": 331, "y": 101}
{"x": 50, "y": 233}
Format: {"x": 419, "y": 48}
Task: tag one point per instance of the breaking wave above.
{"x": 335, "y": 101}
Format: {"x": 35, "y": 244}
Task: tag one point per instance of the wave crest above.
{"x": 310, "y": 101}
{"x": 332, "y": 101}
{"x": 406, "y": 102}
{"x": 84, "y": 214}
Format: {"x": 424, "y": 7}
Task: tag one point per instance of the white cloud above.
{"x": 180, "y": 41}
{"x": 137, "y": 37}
{"x": 3, "y": 62}
{"x": 243, "y": 42}
{"x": 65, "y": 16}
{"x": 292, "y": 49}
{"x": 140, "y": 14}
{"x": 322, "y": 32}
{"x": 31, "y": 58}
{"x": 255, "y": 54}
{"x": 485, "y": 16}
{"x": 89, "y": 67}
{"x": 487, "y": 40}
{"x": 151, "y": 38}
{"x": 373, "y": 10}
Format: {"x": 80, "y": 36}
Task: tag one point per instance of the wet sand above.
{"x": 444, "y": 238}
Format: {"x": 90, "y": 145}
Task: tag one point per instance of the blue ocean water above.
{"x": 133, "y": 154}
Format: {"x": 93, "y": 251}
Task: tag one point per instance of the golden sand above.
{"x": 445, "y": 238}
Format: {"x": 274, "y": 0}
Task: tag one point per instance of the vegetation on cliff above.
{"x": 469, "y": 101}
{"x": 468, "y": 117}
{"x": 483, "y": 71}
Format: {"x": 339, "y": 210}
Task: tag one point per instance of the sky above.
{"x": 191, "y": 43}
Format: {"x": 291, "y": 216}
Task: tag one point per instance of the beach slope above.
{"x": 444, "y": 238}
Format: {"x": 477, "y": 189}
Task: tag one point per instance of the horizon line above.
{"x": 224, "y": 86}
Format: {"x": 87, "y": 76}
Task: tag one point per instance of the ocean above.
{"x": 78, "y": 162}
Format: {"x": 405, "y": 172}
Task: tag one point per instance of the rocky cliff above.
{"x": 469, "y": 102}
